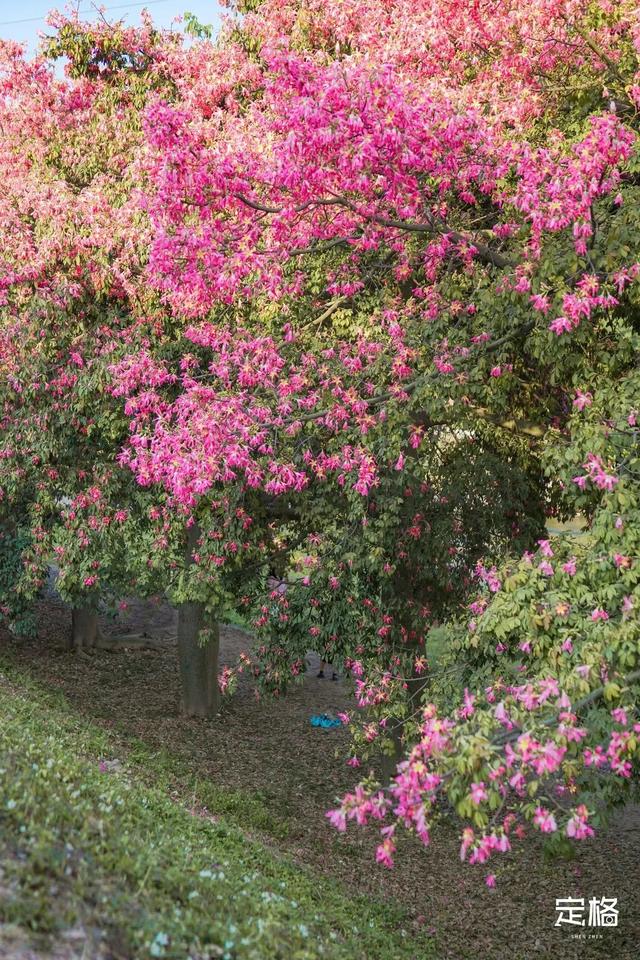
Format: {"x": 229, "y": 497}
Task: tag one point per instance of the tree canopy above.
{"x": 351, "y": 293}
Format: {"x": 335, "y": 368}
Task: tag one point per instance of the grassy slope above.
{"x": 107, "y": 851}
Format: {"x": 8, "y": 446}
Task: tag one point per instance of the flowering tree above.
{"x": 358, "y": 286}
{"x": 65, "y": 268}
{"x": 74, "y": 244}
{"x": 407, "y": 240}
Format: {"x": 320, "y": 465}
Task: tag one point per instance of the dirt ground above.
{"x": 270, "y": 748}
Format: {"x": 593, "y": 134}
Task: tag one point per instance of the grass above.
{"x": 244, "y": 808}
{"x": 107, "y": 851}
{"x": 269, "y": 776}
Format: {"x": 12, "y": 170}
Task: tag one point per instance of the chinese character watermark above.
{"x": 601, "y": 912}
{"x": 570, "y": 910}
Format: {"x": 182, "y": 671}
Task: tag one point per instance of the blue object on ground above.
{"x": 324, "y": 720}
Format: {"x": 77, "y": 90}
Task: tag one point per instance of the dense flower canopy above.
{"x": 354, "y": 288}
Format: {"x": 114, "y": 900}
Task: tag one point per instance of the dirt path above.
{"x": 269, "y": 750}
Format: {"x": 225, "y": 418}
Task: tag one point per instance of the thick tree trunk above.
{"x": 198, "y": 662}
{"x": 85, "y": 630}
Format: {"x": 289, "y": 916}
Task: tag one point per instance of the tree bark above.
{"x": 85, "y": 629}
{"x": 389, "y": 762}
{"x": 198, "y": 662}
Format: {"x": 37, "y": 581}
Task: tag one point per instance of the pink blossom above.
{"x": 478, "y": 793}
{"x": 385, "y": 851}
{"x": 468, "y": 709}
{"x": 561, "y": 325}
{"x": 501, "y": 714}
{"x": 545, "y": 548}
{"x": 619, "y": 714}
{"x": 337, "y": 818}
{"x": 544, "y": 820}
{"x": 582, "y": 400}
{"x": 577, "y": 826}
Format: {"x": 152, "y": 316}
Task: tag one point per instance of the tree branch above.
{"x": 484, "y": 253}
{"x": 580, "y": 705}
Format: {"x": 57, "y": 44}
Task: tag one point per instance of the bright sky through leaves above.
{"x": 24, "y": 21}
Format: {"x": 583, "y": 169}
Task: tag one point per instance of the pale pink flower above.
{"x": 545, "y": 548}
{"x": 544, "y": 820}
{"x": 582, "y": 400}
{"x": 478, "y": 793}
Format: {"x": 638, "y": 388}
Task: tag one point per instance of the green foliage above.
{"x": 124, "y": 858}
{"x": 15, "y": 607}
{"x": 193, "y": 27}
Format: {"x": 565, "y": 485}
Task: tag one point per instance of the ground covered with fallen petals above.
{"x": 265, "y": 768}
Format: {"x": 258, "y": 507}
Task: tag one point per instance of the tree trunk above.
{"x": 85, "y": 629}
{"x": 389, "y": 762}
{"x": 198, "y": 662}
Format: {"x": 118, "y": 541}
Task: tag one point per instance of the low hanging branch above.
{"x": 592, "y": 697}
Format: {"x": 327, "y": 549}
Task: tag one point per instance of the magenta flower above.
{"x": 468, "y": 709}
{"x": 561, "y": 325}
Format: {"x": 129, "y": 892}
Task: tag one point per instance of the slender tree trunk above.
{"x": 198, "y": 662}
{"x": 85, "y": 629}
{"x": 389, "y": 762}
